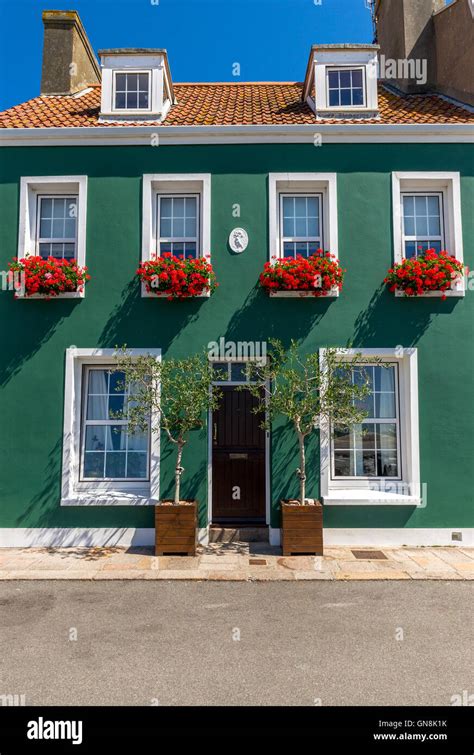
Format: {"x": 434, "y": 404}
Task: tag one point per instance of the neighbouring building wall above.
{"x": 454, "y": 37}
{"x": 35, "y": 334}
{"x": 69, "y": 62}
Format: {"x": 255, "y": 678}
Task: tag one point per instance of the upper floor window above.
{"x": 422, "y": 221}
{"x": 56, "y": 234}
{"x": 178, "y": 224}
{"x": 371, "y": 449}
{"x": 301, "y": 224}
{"x": 131, "y": 90}
{"x": 345, "y": 87}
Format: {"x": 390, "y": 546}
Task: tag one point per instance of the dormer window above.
{"x": 136, "y": 85}
{"x": 341, "y": 81}
{"x": 132, "y": 90}
{"x": 345, "y": 87}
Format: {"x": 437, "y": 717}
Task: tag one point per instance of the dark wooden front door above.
{"x": 238, "y": 459}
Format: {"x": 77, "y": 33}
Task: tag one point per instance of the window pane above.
{"x": 191, "y": 207}
{"x": 59, "y": 209}
{"x": 342, "y": 438}
{"x": 300, "y": 227}
{"x": 97, "y": 407}
{"x": 221, "y": 370}
{"x": 357, "y": 96}
{"x": 69, "y": 251}
{"x": 409, "y": 206}
{"x": 343, "y": 464}
{"x": 190, "y": 250}
{"x": 143, "y": 100}
{"x": 120, "y": 100}
{"x": 436, "y": 245}
{"x": 143, "y": 82}
{"x": 367, "y": 436}
{"x": 333, "y": 97}
{"x": 346, "y": 98}
{"x": 95, "y": 438}
{"x": 384, "y": 378}
{"x": 420, "y": 205}
{"x": 98, "y": 381}
{"x": 289, "y": 249}
{"x": 301, "y": 249}
{"x": 70, "y": 228}
{"x": 387, "y": 436}
{"x": 137, "y": 441}
{"x": 115, "y": 465}
{"x": 94, "y": 465}
{"x": 165, "y": 227}
{"x": 333, "y": 79}
{"x": 117, "y": 382}
{"x": 120, "y": 82}
{"x": 300, "y": 207}
{"x": 410, "y": 249}
{"x": 58, "y": 229}
{"x": 434, "y": 226}
{"x": 288, "y": 227}
{"x": 137, "y": 465}
{"x": 46, "y": 208}
{"x": 115, "y": 438}
{"x": 178, "y": 227}
{"x": 369, "y": 466}
{"x": 357, "y": 78}
{"x": 237, "y": 371}
{"x": 117, "y": 406}
{"x": 190, "y": 229}
{"x": 421, "y": 225}
{"x": 433, "y": 206}
{"x": 387, "y": 464}
{"x": 345, "y": 78}
{"x": 132, "y": 100}
{"x": 178, "y": 207}
{"x": 45, "y": 228}
{"x": 385, "y": 405}
{"x": 409, "y": 225}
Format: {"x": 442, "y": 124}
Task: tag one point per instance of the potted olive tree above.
{"x": 307, "y": 390}
{"x": 173, "y": 396}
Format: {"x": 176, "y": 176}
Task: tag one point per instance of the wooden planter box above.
{"x": 302, "y": 528}
{"x": 176, "y": 528}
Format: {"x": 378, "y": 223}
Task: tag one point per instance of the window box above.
{"x": 175, "y": 277}
{"x": 429, "y": 273}
{"x": 319, "y": 275}
{"x": 38, "y": 278}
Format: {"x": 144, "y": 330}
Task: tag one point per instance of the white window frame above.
{"x": 184, "y": 239}
{"x": 446, "y": 184}
{"x": 367, "y": 491}
{"x": 169, "y": 184}
{"x": 74, "y": 491}
{"x": 127, "y": 71}
{"x": 375, "y": 421}
{"x": 338, "y": 69}
{"x": 39, "y": 239}
{"x": 305, "y": 239}
{"x": 431, "y": 237}
{"x": 303, "y": 183}
{"x": 31, "y": 187}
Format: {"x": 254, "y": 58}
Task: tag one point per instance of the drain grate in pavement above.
{"x": 257, "y": 561}
{"x": 369, "y": 554}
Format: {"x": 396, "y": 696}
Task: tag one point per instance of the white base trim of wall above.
{"x": 68, "y": 537}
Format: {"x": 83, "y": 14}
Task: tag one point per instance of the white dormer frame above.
{"x": 160, "y": 89}
{"x": 322, "y": 61}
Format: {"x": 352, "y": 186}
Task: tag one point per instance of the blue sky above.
{"x": 270, "y": 39}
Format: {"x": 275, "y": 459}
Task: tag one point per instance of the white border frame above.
{"x": 167, "y": 183}
{"x": 74, "y": 492}
{"x": 294, "y": 183}
{"x": 365, "y": 492}
{"x": 449, "y": 184}
{"x": 348, "y": 67}
{"x": 126, "y": 110}
{"x": 30, "y": 188}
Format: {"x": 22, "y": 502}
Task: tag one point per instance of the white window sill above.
{"x": 457, "y": 292}
{"x": 162, "y": 295}
{"x": 332, "y": 294}
{"x": 68, "y": 295}
{"x": 110, "y": 498}
{"x": 364, "y": 497}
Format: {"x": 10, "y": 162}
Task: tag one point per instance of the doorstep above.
{"x": 237, "y": 561}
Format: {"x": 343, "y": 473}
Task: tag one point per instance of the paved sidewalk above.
{"x": 237, "y": 562}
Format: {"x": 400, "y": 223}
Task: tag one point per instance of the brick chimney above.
{"x": 69, "y": 62}
{"x": 405, "y": 32}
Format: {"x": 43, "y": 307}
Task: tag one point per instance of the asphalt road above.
{"x": 175, "y": 643}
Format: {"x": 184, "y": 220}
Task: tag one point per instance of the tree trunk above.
{"x": 302, "y": 469}
{"x": 178, "y": 472}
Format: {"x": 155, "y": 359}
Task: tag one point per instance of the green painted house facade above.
{"x": 239, "y": 173}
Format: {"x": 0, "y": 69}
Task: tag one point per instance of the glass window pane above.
{"x": 178, "y": 227}
{"x": 333, "y": 97}
{"x": 115, "y": 464}
{"x": 421, "y": 225}
{"x": 115, "y": 438}
{"x": 333, "y": 79}
{"x": 387, "y": 464}
{"x": 384, "y": 378}
{"x": 95, "y": 438}
{"x": 368, "y": 435}
{"x": 143, "y": 82}
{"x": 132, "y": 100}
{"x": 345, "y": 78}
{"x": 143, "y": 100}
{"x": 58, "y": 229}
{"x": 69, "y": 251}
{"x": 191, "y": 207}
{"x": 288, "y": 227}
{"x": 178, "y": 207}
{"x": 45, "y": 229}
{"x": 190, "y": 250}
{"x": 117, "y": 382}
{"x": 97, "y": 407}
{"x": 137, "y": 465}
{"x": 98, "y": 381}
{"x": 343, "y": 464}
{"x": 433, "y": 206}
{"x": 46, "y": 208}
{"x": 166, "y": 207}
{"x": 165, "y": 227}
{"x": 363, "y": 375}
{"x": 384, "y": 405}
{"x": 300, "y": 207}
{"x": 221, "y": 370}
{"x": 137, "y": 441}
{"x": 342, "y": 438}
{"x": 70, "y": 228}
{"x": 120, "y": 101}
{"x": 117, "y": 406}
{"x": 237, "y": 371}
{"x": 177, "y": 248}
{"x": 357, "y": 96}
{"x": 357, "y": 78}
{"x": 387, "y": 436}
{"x": 120, "y": 82}
{"x": 289, "y": 249}
{"x": 190, "y": 227}
{"x": 434, "y": 226}
{"x": 408, "y": 206}
{"x": 94, "y": 465}
{"x": 300, "y": 227}
{"x": 301, "y": 249}
{"x": 409, "y": 225}
{"x": 346, "y": 97}
{"x": 59, "y": 208}
{"x": 436, "y": 245}
{"x": 369, "y": 466}
{"x": 410, "y": 249}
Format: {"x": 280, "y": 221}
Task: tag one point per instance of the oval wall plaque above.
{"x": 238, "y": 240}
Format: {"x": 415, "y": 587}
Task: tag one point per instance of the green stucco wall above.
{"x": 35, "y": 334}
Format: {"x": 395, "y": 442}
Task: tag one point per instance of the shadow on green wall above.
{"x": 160, "y": 321}
{"x": 394, "y": 320}
{"x": 26, "y": 327}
